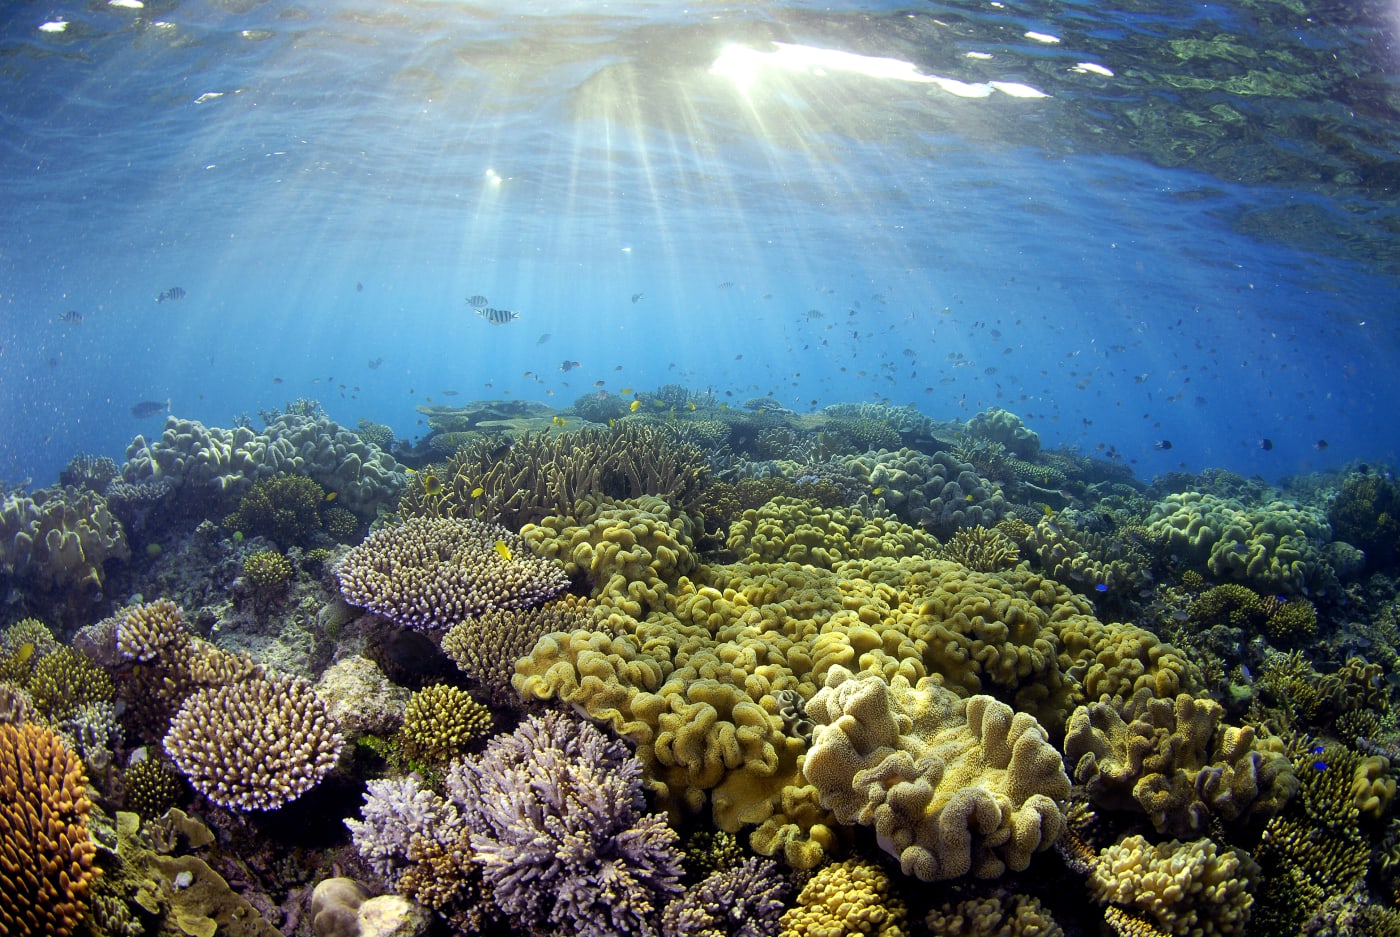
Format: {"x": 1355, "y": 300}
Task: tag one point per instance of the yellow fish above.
{"x": 504, "y": 550}
{"x": 969, "y": 499}
{"x": 1047, "y": 510}
{"x": 26, "y": 651}
{"x": 411, "y": 471}
{"x": 611, "y": 422}
{"x": 659, "y": 403}
{"x": 625, "y": 391}
{"x": 478, "y": 491}
{"x": 636, "y": 404}
{"x": 559, "y": 421}
{"x": 690, "y": 406}
{"x": 877, "y": 491}
{"x": 330, "y": 495}
{"x": 432, "y": 485}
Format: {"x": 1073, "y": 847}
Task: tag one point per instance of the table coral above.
{"x": 952, "y": 786}
{"x": 847, "y": 898}
{"x": 46, "y": 854}
{"x": 255, "y": 744}
{"x": 429, "y": 574}
{"x": 1183, "y": 889}
{"x": 631, "y": 551}
{"x": 1176, "y": 762}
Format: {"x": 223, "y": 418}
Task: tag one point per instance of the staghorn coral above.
{"x": 1000, "y": 915}
{"x": 46, "y": 854}
{"x": 395, "y": 811}
{"x": 485, "y": 647}
{"x": 439, "y": 722}
{"x": 556, "y": 812}
{"x": 743, "y": 901}
{"x": 542, "y": 474}
{"x": 1174, "y": 761}
{"x": 59, "y": 540}
{"x": 267, "y": 571}
{"x": 443, "y": 875}
{"x": 67, "y": 679}
{"x": 847, "y": 898}
{"x": 284, "y": 508}
{"x": 1274, "y": 547}
{"x": 937, "y": 492}
{"x": 793, "y": 530}
{"x": 255, "y": 744}
{"x": 981, "y": 549}
{"x": 951, "y": 786}
{"x": 1184, "y": 889}
{"x": 430, "y": 574}
{"x": 631, "y": 551}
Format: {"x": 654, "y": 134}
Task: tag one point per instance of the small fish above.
{"x": 1320, "y": 445}
{"x": 877, "y": 491}
{"x": 503, "y": 550}
{"x": 171, "y": 295}
{"x": 276, "y": 380}
{"x": 376, "y": 363}
{"x": 1100, "y": 587}
{"x": 1266, "y": 444}
{"x": 726, "y": 285}
{"x": 636, "y": 297}
{"x": 690, "y": 406}
{"x": 567, "y": 366}
{"x": 359, "y": 287}
{"x": 23, "y": 653}
{"x": 478, "y": 301}
{"x": 432, "y": 485}
{"x": 478, "y": 491}
{"x": 450, "y": 393}
{"x": 1163, "y": 444}
{"x": 636, "y": 405}
{"x": 559, "y": 421}
{"x": 149, "y": 408}
{"x": 497, "y": 316}
{"x": 542, "y": 339}
{"x": 72, "y": 317}
{"x": 625, "y": 391}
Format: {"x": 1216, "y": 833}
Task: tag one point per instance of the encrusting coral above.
{"x": 46, "y": 854}
{"x": 952, "y": 786}
{"x": 255, "y": 744}
{"x": 430, "y": 574}
{"x": 1176, "y": 762}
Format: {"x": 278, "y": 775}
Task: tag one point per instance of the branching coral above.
{"x": 743, "y": 901}
{"x": 952, "y": 786}
{"x": 542, "y": 474}
{"x": 556, "y": 810}
{"x": 430, "y": 574}
{"x": 284, "y": 508}
{"x": 439, "y": 722}
{"x": 485, "y": 647}
{"x": 255, "y": 744}
{"x": 46, "y": 855}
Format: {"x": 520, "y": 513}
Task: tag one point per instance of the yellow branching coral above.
{"x": 846, "y": 898}
{"x": 65, "y": 680}
{"x": 1174, "y": 761}
{"x": 1183, "y": 889}
{"x": 46, "y": 855}
{"x": 952, "y": 786}
{"x": 440, "y": 722}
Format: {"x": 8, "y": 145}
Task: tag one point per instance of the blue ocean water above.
{"x": 1127, "y": 223}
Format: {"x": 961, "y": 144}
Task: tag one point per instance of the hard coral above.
{"x": 846, "y": 898}
{"x": 255, "y": 744}
{"x": 485, "y": 647}
{"x": 743, "y": 901}
{"x": 430, "y": 574}
{"x": 439, "y": 722}
{"x": 556, "y": 810}
{"x": 46, "y": 855}
{"x": 284, "y": 508}
{"x": 267, "y": 571}
{"x": 1366, "y": 514}
{"x": 794, "y": 530}
{"x": 952, "y": 786}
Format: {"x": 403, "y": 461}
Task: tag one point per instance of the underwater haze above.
{"x": 1160, "y": 233}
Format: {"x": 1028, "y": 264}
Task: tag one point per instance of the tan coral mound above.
{"x": 846, "y": 898}
{"x": 1182, "y": 889}
{"x": 952, "y": 786}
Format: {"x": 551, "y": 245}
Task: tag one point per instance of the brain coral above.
{"x": 46, "y": 855}
{"x": 1275, "y": 548}
{"x": 1182, "y": 889}
{"x": 632, "y": 551}
{"x": 952, "y": 786}
{"x": 1174, "y": 761}
{"x": 255, "y": 744}
{"x": 59, "y": 539}
{"x": 430, "y": 574}
{"x": 935, "y": 492}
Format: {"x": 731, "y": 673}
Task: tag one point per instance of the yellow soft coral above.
{"x": 846, "y": 898}
{"x": 1182, "y": 889}
{"x": 952, "y": 786}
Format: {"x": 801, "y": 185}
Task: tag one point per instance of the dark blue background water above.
{"x": 1197, "y": 247}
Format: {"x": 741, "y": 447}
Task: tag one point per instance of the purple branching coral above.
{"x": 396, "y": 810}
{"x": 745, "y": 901}
{"x": 556, "y": 813}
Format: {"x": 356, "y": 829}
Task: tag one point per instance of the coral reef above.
{"x": 255, "y": 744}
{"x": 996, "y": 916}
{"x": 46, "y": 854}
{"x": 743, "y": 901}
{"x": 952, "y": 786}
{"x": 1176, "y": 762}
{"x": 267, "y": 571}
{"x": 59, "y": 540}
{"x": 791, "y": 530}
{"x": 848, "y": 898}
{"x": 284, "y": 508}
{"x": 485, "y": 647}
{"x": 1004, "y": 427}
{"x": 1184, "y": 889}
{"x": 936, "y": 492}
{"x": 1366, "y": 514}
{"x": 430, "y": 574}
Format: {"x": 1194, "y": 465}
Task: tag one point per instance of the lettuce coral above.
{"x": 952, "y": 786}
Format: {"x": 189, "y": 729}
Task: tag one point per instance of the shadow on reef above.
{"x": 663, "y": 666}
